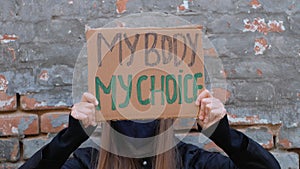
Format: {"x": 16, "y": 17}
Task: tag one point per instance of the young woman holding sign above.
{"x": 243, "y": 152}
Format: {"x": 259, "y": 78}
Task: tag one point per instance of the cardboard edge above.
{"x": 91, "y": 31}
{"x": 146, "y": 28}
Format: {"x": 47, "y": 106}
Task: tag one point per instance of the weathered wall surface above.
{"x": 257, "y": 40}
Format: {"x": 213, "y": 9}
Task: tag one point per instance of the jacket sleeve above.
{"x": 243, "y": 151}
{"x": 54, "y": 154}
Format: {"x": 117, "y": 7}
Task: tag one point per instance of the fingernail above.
{"x": 97, "y": 102}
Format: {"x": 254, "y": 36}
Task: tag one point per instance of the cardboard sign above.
{"x": 145, "y": 73}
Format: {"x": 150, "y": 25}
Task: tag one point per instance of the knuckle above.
{"x": 205, "y": 100}
{"x": 90, "y": 105}
{"x": 85, "y": 95}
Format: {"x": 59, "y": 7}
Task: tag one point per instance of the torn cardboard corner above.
{"x": 145, "y": 73}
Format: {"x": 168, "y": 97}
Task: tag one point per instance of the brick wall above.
{"x": 257, "y": 41}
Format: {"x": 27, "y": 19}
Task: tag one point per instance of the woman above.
{"x": 243, "y": 152}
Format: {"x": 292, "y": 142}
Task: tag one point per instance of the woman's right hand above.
{"x": 85, "y": 110}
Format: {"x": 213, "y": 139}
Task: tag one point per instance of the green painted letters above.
{"x": 139, "y": 90}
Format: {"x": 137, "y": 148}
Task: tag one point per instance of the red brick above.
{"x": 54, "y": 122}
{"x": 10, "y": 150}
{"x": 284, "y": 143}
{"x": 236, "y": 120}
{"x": 32, "y": 145}
{"x": 288, "y": 137}
{"x": 7, "y": 103}
{"x": 261, "y": 134}
{"x": 28, "y": 103}
{"x": 19, "y": 124}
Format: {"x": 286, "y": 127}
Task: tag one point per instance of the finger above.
{"x": 209, "y": 100}
{"x": 202, "y": 112}
{"x": 92, "y": 118}
{"x": 215, "y": 116}
{"x": 85, "y": 112}
{"x": 88, "y": 97}
{"x": 212, "y": 102}
{"x": 200, "y": 122}
{"x": 85, "y": 122}
{"x": 208, "y": 115}
{"x": 78, "y": 115}
{"x": 213, "y": 105}
{"x": 204, "y": 94}
{"x": 88, "y": 105}
{"x": 90, "y": 111}
{"x": 83, "y": 107}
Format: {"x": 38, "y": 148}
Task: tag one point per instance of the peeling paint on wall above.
{"x": 260, "y": 46}
{"x": 44, "y": 75}
{"x": 276, "y": 26}
{"x": 180, "y": 8}
{"x": 5, "y": 103}
{"x": 3, "y": 83}
{"x": 121, "y": 6}
{"x": 40, "y": 104}
{"x": 255, "y": 119}
{"x": 259, "y": 72}
{"x": 28, "y": 103}
{"x": 61, "y": 120}
{"x": 24, "y": 124}
{"x": 13, "y": 53}
{"x": 261, "y": 26}
{"x": 285, "y": 143}
{"x": 14, "y": 130}
{"x": 61, "y": 104}
{"x": 8, "y": 38}
{"x": 255, "y": 4}
{"x": 183, "y": 6}
{"x": 257, "y": 25}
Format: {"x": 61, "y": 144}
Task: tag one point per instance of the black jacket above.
{"x": 243, "y": 152}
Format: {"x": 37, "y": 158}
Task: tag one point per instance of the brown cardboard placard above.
{"x": 145, "y": 73}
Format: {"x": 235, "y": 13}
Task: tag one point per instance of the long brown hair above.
{"x": 165, "y": 160}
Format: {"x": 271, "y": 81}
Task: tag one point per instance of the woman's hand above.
{"x": 211, "y": 110}
{"x": 85, "y": 110}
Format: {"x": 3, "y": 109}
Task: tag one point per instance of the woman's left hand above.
{"x": 211, "y": 109}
